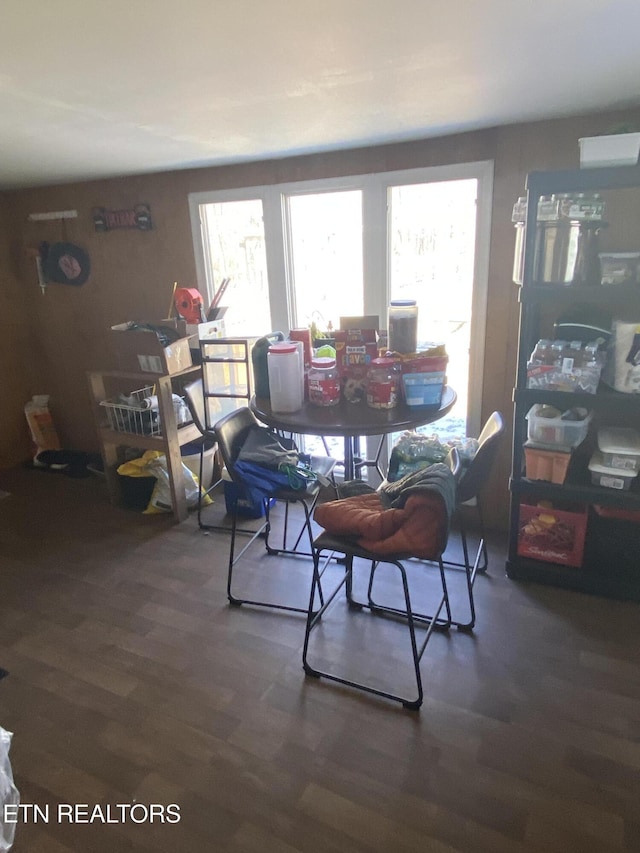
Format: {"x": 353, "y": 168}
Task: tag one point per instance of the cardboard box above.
{"x": 355, "y": 349}
{"x": 139, "y": 350}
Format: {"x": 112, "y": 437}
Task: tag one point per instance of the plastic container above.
{"x": 403, "y": 325}
{"x": 191, "y": 457}
{"x": 556, "y": 431}
{"x": 303, "y": 335}
{"x": 616, "y": 149}
{"x": 549, "y": 465}
{"x": 620, "y": 447}
{"x": 284, "y": 363}
{"x": 519, "y": 218}
{"x": 423, "y": 380}
{"x": 259, "y": 360}
{"x": 383, "y": 383}
{"x": 620, "y": 267}
{"x": 552, "y": 535}
{"x": 609, "y": 478}
{"x": 324, "y": 382}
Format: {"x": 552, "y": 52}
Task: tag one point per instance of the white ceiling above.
{"x": 100, "y": 88}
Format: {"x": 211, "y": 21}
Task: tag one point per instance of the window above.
{"x": 314, "y": 251}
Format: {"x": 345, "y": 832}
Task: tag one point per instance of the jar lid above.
{"x": 281, "y": 349}
{"x": 403, "y": 303}
{"x": 383, "y": 362}
{"x": 323, "y": 362}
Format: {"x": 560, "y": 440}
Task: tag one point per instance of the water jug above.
{"x": 285, "y": 367}
{"x": 259, "y": 360}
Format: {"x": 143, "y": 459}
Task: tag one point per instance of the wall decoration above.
{"x": 63, "y": 263}
{"x": 137, "y": 218}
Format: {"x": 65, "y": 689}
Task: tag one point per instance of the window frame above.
{"x": 375, "y": 189}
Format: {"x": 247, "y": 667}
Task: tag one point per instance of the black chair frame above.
{"x": 437, "y": 622}
{"x": 469, "y": 487}
{"x": 230, "y": 433}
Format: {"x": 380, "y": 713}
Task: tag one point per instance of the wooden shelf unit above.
{"x": 169, "y": 442}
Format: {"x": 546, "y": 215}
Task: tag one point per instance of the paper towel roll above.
{"x": 624, "y": 357}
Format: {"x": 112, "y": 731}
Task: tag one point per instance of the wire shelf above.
{"x": 133, "y": 413}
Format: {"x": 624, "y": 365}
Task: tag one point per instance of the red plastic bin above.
{"x": 552, "y": 535}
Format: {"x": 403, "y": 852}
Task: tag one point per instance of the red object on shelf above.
{"x": 618, "y": 513}
{"x": 188, "y": 302}
{"x": 552, "y": 535}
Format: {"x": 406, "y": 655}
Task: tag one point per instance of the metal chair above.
{"x": 194, "y": 396}
{"x": 231, "y": 432}
{"x": 470, "y": 484}
{"x": 327, "y": 542}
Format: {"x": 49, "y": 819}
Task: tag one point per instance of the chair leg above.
{"x": 306, "y": 526}
{"x": 313, "y": 618}
{"x": 233, "y": 559}
{"x": 471, "y": 569}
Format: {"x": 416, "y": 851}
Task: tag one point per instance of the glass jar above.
{"x": 324, "y": 382}
{"x": 383, "y": 383}
{"x": 403, "y": 325}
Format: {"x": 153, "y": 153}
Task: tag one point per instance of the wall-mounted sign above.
{"x": 108, "y": 220}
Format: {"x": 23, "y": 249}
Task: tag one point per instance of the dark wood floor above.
{"x": 131, "y": 680}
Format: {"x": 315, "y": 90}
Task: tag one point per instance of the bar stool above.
{"x": 330, "y": 543}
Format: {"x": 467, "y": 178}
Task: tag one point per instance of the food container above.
{"x": 423, "y": 380}
{"x": 551, "y": 534}
{"x": 285, "y": 367}
{"x": 556, "y": 431}
{"x": 609, "y": 478}
{"x": 543, "y": 464}
{"x": 403, "y": 325}
{"x": 383, "y": 383}
{"x": 620, "y": 447}
{"x": 324, "y": 382}
{"x": 620, "y": 267}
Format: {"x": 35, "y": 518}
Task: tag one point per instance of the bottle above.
{"x": 324, "y": 382}
{"x": 519, "y": 219}
{"x": 403, "y": 325}
{"x": 587, "y": 270}
{"x": 383, "y": 383}
{"x": 259, "y": 360}
{"x": 285, "y": 377}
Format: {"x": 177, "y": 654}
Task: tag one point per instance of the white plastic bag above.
{"x": 9, "y": 795}
{"x": 161, "y": 496}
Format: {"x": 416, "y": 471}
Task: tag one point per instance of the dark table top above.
{"x": 351, "y": 419}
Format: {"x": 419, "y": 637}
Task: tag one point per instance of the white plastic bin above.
{"x": 191, "y": 458}
{"x": 610, "y": 478}
{"x": 620, "y": 447}
{"x": 556, "y": 431}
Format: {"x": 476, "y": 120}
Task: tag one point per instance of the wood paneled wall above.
{"x": 50, "y": 340}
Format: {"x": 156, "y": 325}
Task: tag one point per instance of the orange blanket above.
{"x": 417, "y": 529}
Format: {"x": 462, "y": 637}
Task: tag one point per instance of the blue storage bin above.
{"x": 250, "y": 503}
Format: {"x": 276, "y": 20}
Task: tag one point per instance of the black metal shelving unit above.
{"x": 610, "y": 565}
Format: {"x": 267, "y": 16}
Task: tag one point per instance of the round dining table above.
{"x": 351, "y": 421}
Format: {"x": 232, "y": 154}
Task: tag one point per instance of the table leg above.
{"x": 348, "y": 458}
